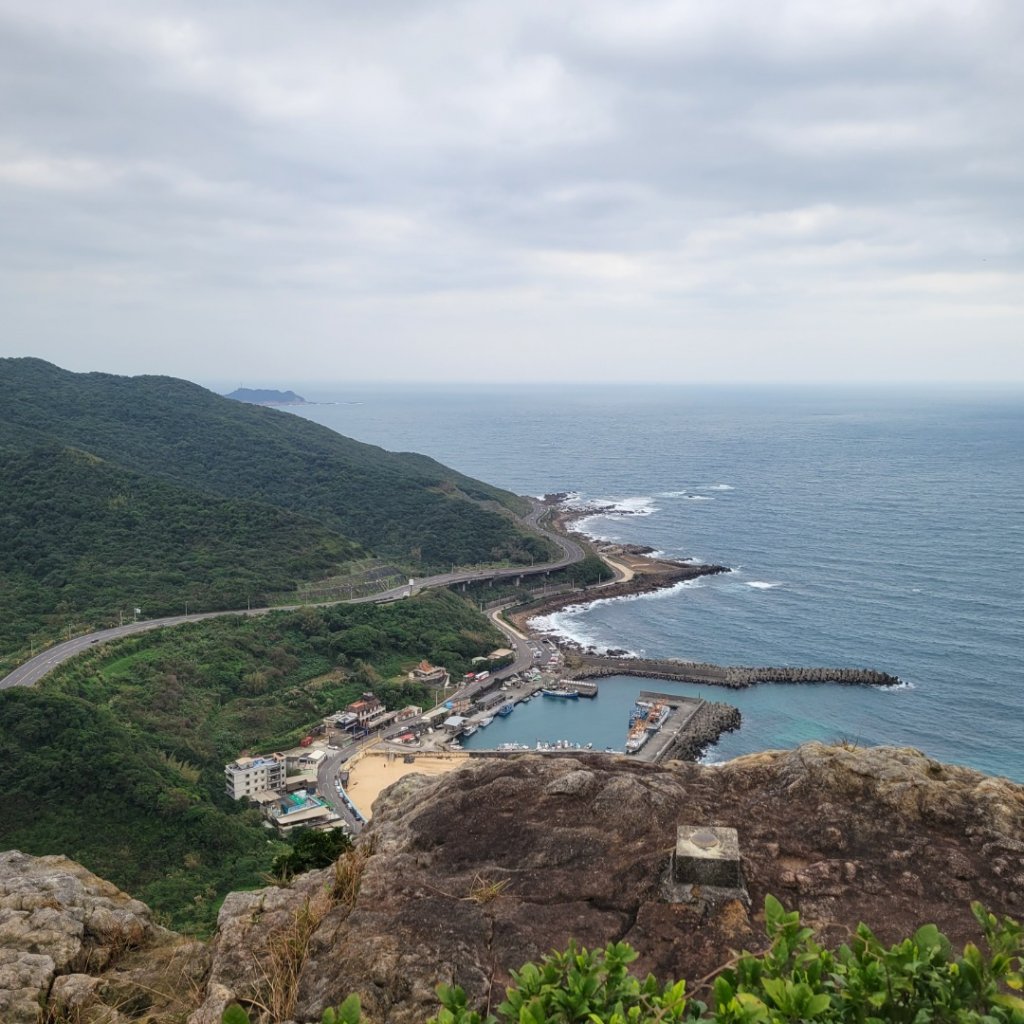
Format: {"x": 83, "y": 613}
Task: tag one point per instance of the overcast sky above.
{"x": 592, "y": 189}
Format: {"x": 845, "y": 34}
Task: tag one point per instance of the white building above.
{"x": 250, "y": 775}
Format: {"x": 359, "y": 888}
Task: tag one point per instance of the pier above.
{"x": 693, "y": 726}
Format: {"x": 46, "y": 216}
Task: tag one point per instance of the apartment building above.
{"x": 250, "y": 775}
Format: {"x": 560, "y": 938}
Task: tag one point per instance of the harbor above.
{"x": 549, "y": 715}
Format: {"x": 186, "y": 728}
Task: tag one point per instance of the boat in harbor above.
{"x": 469, "y": 730}
{"x": 657, "y": 717}
{"x": 560, "y": 693}
{"x": 484, "y": 722}
{"x": 506, "y": 709}
{"x": 637, "y": 739}
{"x": 583, "y": 687}
{"x": 645, "y": 720}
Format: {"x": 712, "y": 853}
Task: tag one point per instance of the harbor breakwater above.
{"x": 736, "y": 677}
{"x": 702, "y": 731}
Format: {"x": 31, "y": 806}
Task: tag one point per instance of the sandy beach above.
{"x": 378, "y": 769}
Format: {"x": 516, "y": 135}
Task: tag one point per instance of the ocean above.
{"x": 876, "y": 528}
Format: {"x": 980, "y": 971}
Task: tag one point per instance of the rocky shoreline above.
{"x": 647, "y": 583}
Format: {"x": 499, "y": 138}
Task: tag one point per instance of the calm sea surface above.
{"x": 883, "y": 529}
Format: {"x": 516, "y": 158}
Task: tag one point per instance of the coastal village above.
{"x": 332, "y": 778}
{"x": 347, "y": 759}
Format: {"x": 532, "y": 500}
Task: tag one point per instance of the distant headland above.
{"x": 261, "y": 396}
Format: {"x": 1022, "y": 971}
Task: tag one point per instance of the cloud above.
{"x": 422, "y": 184}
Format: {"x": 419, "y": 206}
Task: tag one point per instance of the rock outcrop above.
{"x": 462, "y": 877}
{"x": 77, "y": 948}
{"x": 479, "y": 871}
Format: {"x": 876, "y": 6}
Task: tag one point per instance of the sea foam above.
{"x": 686, "y": 495}
{"x": 559, "y": 621}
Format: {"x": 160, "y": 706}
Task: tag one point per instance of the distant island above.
{"x": 260, "y": 396}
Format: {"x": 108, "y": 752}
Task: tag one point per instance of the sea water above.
{"x": 864, "y": 528}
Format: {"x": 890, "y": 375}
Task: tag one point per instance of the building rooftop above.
{"x": 242, "y": 764}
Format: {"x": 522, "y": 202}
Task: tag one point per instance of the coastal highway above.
{"x": 30, "y": 672}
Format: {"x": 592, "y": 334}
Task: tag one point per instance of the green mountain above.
{"x": 151, "y": 491}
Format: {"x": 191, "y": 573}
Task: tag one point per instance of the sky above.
{"x": 598, "y": 190}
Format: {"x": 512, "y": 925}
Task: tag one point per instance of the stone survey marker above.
{"x": 708, "y": 856}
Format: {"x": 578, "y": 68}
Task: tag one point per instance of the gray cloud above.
{"x": 674, "y": 190}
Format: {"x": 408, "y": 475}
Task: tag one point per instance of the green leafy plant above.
{"x": 348, "y": 1012}
{"x": 917, "y": 981}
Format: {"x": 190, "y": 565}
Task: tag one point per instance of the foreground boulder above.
{"x": 74, "y": 947}
{"x": 465, "y": 876}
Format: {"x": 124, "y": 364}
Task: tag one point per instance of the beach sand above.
{"x": 376, "y": 770}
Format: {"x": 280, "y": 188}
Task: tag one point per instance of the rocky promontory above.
{"x": 462, "y": 877}
{"x": 660, "y": 576}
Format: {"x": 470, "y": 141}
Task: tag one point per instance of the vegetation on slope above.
{"x": 77, "y": 779}
{"x": 148, "y": 492}
{"x": 395, "y": 503}
{"x": 117, "y": 760}
{"x": 85, "y": 541}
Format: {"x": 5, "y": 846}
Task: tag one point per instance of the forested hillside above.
{"x": 117, "y": 759}
{"x": 85, "y": 539}
{"x": 120, "y": 492}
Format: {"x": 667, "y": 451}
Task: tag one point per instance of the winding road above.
{"x": 30, "y": 672}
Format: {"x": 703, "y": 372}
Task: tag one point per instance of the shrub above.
{"x": 917, "y": 981}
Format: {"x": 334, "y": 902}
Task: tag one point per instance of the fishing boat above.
{"x": 560, "y": 693}
{"x": 506, "y": 709}
{"x": 469, "y": 730}
{"x": 656, "y": 719}
{"x": 484, "y": 722}
{"x": 637, "y": 739}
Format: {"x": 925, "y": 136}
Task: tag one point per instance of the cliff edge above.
{"x": 462, "y": 877}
